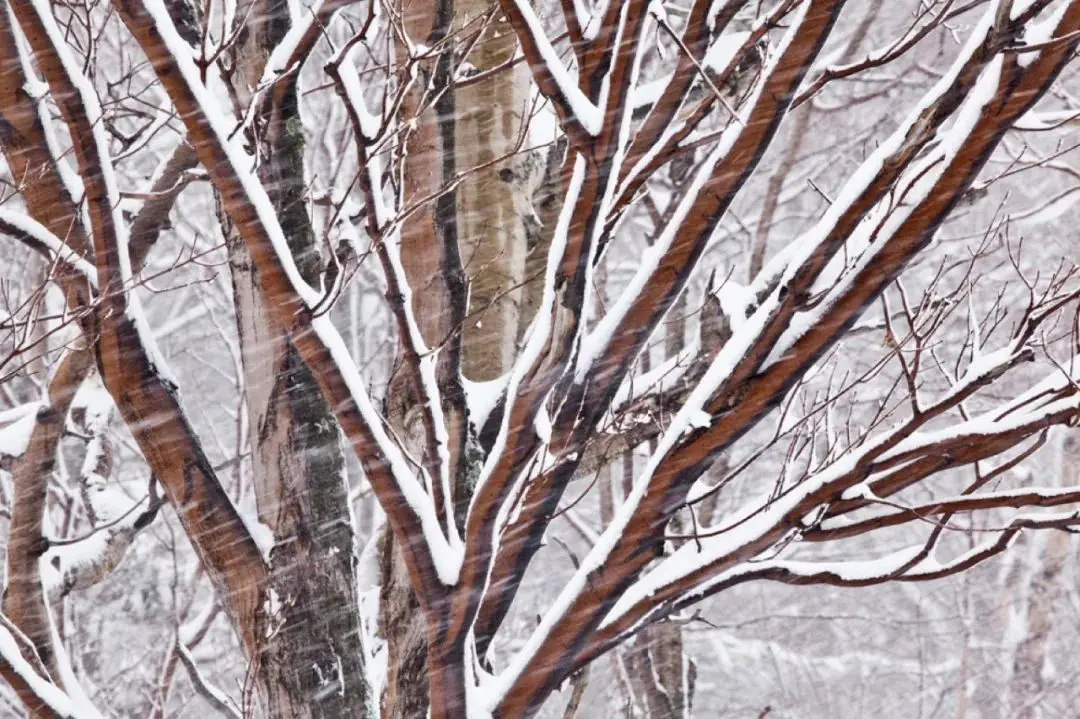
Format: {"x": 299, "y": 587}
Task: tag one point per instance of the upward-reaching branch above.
{"x": 1004, "y": 91}
{"x": 619, "y": 338}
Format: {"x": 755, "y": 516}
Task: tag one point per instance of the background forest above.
{"x": 283, "y": 284}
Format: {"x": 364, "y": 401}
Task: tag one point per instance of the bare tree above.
{"x": 490, "y": 169}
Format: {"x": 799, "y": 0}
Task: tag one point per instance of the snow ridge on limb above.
{"x": 897, "y": 235}
{"x": 283, "y": 65}
{"x": 587, "y": 213}
{"x": 77, "y": 564}
{"x": 19, "y": 224}
{"x": 977, "y": 130}
{"x": 579, "y": 116}
{"x": 760, "y": 523}
{"x": 606, "y": 372}
{"x": 660, "y": 141}
{"x": 433, "y": 563}
{"x": 26, "y": 680}
{"x": 618, "y": 337}
{"x": 801, "y": 44}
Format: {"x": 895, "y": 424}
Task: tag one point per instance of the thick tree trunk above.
{"x": 312, "y": 664}
{"x": 495, "y": 205}
{"x": 430, "y": 158}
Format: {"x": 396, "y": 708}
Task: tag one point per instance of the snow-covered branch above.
{"x": 72, "y": 565}
{"x": 411, "y": 509}
{"x": 34, "y": 690}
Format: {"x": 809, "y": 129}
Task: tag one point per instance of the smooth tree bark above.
{"x": 503, "y": 397}
{"x": 467, "y": 258}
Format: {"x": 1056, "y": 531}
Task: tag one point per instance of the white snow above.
{"x": 722, "y": 51}
{"x": 543, "y": 121}
{"x": 594, "y": 344}
{"x": 855, "y": 570}
{"x": 28, "y": 225}
{"x": 260, "y": 533}
{"x": 50, "y": 694}
{"x": 737, "y": 531}
{"x": 588, "y": 114}
{"x": 482, "y": 397}
{"x": 918, "y": 181}
{"x": 1019, "y": 7}
{"x": 278, "y": 62}
{"x": 240, "y": 161}
{"x": 446, "y": 551}
{"x": 370, "y": 126}
{"x": 16, "y": 426}
{"x": 224, "y": 702}
{"x": 543, "y": 425}
{"x": 1040, "y": 33}
{"x": 699, "y": 419}
{"x": 94, "y": 118}
{"x": 537, "y": 334}
{"x": 735, "y": 302}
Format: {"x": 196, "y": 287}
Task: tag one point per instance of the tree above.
{"x": 488, "y": 168}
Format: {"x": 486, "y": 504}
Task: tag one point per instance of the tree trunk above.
{"x": 478, "y": 233}
{"x": 496, "y": 203}
{"x": 1043, "y": 594}
{"x": 312, "y": 664}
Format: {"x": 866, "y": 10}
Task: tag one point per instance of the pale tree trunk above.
{"x": 1043, "y": 594}
{"x": 496, "y": 203}
{"x": 662, "y": 677}
{"x": 472, "y": 247}
{"x": 312, "y": 665}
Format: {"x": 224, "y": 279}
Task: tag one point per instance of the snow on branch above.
{"x": 71, "y": 565}
{"x": 26, "y": 228}
{"x": 580, "y": 117}
{"x": 409, "y": 506}
{"x": 760, "y": 524}
{"x": 31, "y": 686}
{"x": 16, "y": 426}
{"x": 214, "y": 696}
{"x": 385, "y": 235}
{"x": 132, "y": 367}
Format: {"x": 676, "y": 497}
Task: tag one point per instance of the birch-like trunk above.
{"x": 475, "y": 235}
{"x": 496, "y": 204}
{"x": 312, "y": 666}
{"x": 1044, "y": 592}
